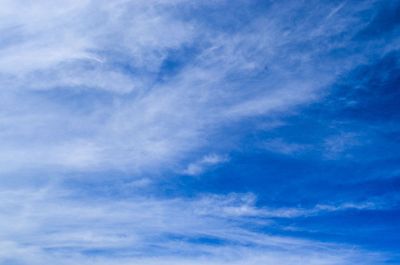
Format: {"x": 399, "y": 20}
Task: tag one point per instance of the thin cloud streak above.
{"x": 49, "y": 224}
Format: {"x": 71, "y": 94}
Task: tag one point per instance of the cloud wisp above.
{"x": 49, "y": 225}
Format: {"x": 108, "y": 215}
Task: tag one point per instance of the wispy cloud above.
{"x": 205, "y": 162}
{"x": 337, "y": 145}
{"x": 280, "y": 146}
{"x": 110, "y": 57}
{"x": 50, "y": 224}
{"x": 141, "y": 88}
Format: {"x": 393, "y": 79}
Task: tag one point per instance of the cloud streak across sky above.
{"x": 121, "y": 120}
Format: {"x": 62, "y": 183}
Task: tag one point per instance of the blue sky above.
{"x": 199, "y": 132}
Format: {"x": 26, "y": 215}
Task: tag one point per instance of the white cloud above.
{"x": 52, "y": 225}
{"x": 122, "y": 116}
{"x": 82, "y": 91}
{"x": 199, "y": 166}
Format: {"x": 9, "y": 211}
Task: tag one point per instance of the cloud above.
{"x": 88, "y": 82}
{"x": 143, "y": 87}
{"x": 42, "y": 226}
{"x": 339, "y": 144}
{"x": 280, "y": 146}
{"x": 199, "y": 166}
